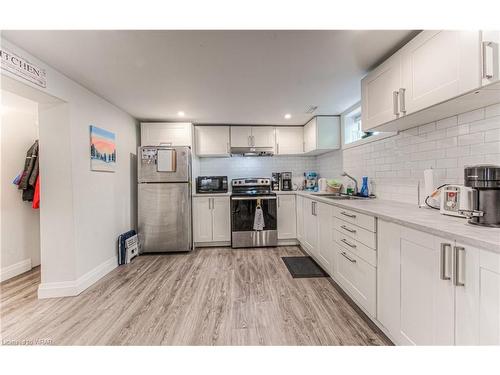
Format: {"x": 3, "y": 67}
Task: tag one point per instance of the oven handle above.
{"x": 251, "y": 198}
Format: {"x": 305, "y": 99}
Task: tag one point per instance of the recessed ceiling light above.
{"x": 288, "y": 116}
{"x": 180, "y": 113}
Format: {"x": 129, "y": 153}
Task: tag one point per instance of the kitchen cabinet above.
{"x": 477, "y": 296}
{"x": 166, "y": 133}
{"x": 252, "y": 136}
{"x": 490, "y": 45}
{"x": 310, "y": 226}
{"x": 379, "y": 93}
{"x": 212, "y": 141}
{"x": 300, "y": 217}
{"x": 436, "y": 291}
{"x": 287, "y": 225}
{"x": 211, "y": 219}
{"x": 289, "y": 140}
{"x": 437, "y": 66}
{"x": 322, "y": 134}
{"x": 325, "y": 251}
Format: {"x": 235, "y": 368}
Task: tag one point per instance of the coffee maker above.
{"x": 485, "y": 182}
{"x": 286, "y": 181}
{"x": 275, "y": 181}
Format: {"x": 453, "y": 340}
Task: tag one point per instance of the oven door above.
{"x": 242, "y": 220}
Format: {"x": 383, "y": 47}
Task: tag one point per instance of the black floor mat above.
{"x": 302, "y": 267}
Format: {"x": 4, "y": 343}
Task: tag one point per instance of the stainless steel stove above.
{"x": 247, "y": 195}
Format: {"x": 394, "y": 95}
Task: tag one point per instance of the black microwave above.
{"x": 211, "y": 184}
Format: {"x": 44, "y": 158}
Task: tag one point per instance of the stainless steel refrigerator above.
{"x": 164, "y": 199}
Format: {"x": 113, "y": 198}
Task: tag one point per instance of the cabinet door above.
{"x": 202, "y": 219}
{"x": 212, "y": 140}
{"x": 287, "y": 223}
{"x": 263, "y": 136}
{"x": 169, "y": 134}
{"x": 439, "y": 65}
{"x": 221, "y": 219}
{"x": 477, "y": 297}
{"x": 388, "y": 276}
{"x": 241, "y": 136}
{"x": 311, "y": 226}
{"x": 490, "y": 56}
{"x": 328, "y": 132}
{"x": 378, "y": 104}
{"x": 427, "y": 301}
{"x": 310, "y": 136}
{"x": 300, "y": 218}
{"x": 325, "y": 235}
{"x": 289, "y": 140}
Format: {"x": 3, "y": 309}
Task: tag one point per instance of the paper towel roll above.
{"x": 429, "y": 181}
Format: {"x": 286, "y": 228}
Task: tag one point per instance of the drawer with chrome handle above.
{"x": 361, "y": 250}
{"x": 358, "y": 278}
{"x": 364, "y": 221}
{"x": 355, "y": 232}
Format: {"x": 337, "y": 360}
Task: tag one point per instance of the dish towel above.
{"x": 258, "y": 220}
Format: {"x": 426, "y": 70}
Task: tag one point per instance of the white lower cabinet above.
{"x": 211, "y": 219}
{"x": 287, "y": 225}
{"x": 310, "y": 226}
{"x": 434, "y": 291}
{"x": 325, "y": 248}
{"x": 300, "y": 217}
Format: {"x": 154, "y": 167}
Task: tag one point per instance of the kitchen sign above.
{"x": 21, "y": 67}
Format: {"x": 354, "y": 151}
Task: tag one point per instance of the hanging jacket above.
{"x": 36, "y": 196}
{"x": 30, "y": 173}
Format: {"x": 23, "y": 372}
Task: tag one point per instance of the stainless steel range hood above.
{"x": 252, "y": 151}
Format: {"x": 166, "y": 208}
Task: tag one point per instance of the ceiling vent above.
{"x": 311, "y": 108}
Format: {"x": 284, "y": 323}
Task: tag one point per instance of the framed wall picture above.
{"x": 102, "y": 150}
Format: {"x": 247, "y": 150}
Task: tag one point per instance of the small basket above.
{"x": 335, "y": 190}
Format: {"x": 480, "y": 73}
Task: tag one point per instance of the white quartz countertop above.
{"x": 424, "y": 219}
{"x": 211, "y": 195}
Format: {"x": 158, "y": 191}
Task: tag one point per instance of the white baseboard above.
{"x": 288, "y": 242}
{"x": 73, "y": 288}
{"x": 15, "y": 269}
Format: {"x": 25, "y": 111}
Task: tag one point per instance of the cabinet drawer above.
{"x": 358, "y": 278}
{"x": 353, "y": 217}
{"x": 364, "y": 252}
{"x": 355, "y": 232}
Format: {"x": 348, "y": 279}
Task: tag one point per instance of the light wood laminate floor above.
{"x": 212, "y": 296}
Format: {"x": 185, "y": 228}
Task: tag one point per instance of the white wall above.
{"x": 93, "y": 208}
{"x": 397, "y": 163}
{"x": 20, "y": 224}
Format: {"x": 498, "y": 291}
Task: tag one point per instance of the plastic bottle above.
{"x": 364, "y": 188}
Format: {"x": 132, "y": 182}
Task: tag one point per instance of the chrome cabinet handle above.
{"x": 348, "y": 229}
{"x": 253, "y": 141}
{"x": 303, "y": 146}
{"x": 486, "y": 45}
{"x": 348, "y": 257}
{"x": 348, "y": 215}
{"x": 348, "y": 243}
{"x": 227, "y": 148}
{"x": 402, "y": 102}
{"x": 395, "y": 103}
{"x": 457, "y": 266}
{"x": 278, "y": 200}
{"x": 442, "y": 261}
{"x": 277, "y": 148}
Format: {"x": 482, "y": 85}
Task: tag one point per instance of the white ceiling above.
{"x": 230, "y": 77}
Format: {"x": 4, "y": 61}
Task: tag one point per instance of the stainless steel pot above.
{"x": 485, "y": 179}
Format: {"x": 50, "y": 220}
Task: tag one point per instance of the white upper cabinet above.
{"x": 437, "y": 66}
{"x": 322, "y": 134}
{"x": 289, "y": 140}
{"x": 379, "y": 91}
{"x": 252, "y": 136}
{"x": 263, "y": 136}
{"x": 490, "y": 57}
{"x": 166, "y": 133}
{"x": 212, "y": 141}
{"x": 287, "y": 225}
{"x": 241, "y": 136}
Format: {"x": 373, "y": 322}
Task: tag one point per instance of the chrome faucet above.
{"x": 355, "y": 182}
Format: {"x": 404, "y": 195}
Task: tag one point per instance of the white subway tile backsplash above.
{"x": 492, "y": 110}
{"x": 466, "y": 117}
{"x": 427, "y": 128}
{"x": 470, "y": 139}
{"x": 492, "y": 135}
{"x": 446, "y": 123}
